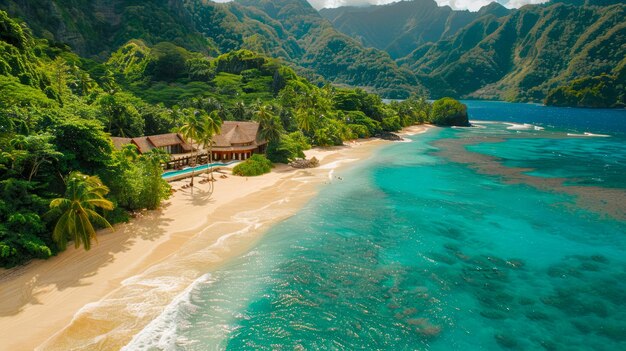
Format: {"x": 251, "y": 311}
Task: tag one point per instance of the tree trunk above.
{"x": 193, "y": 168}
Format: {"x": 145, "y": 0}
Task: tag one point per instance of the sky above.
{"x": 472, "y": 5}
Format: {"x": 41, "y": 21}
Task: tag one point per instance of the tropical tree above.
{"x": 191, "y": 130}
{"x": 311, "y": 107}
{"x": 33, "y": 151}
{"x": 211, "y": 125}
{"x": 240, "y": 111}
{"x": 155, "y": 188}
{"x": 82, "y": 84}
{"x": 59, "y": 74}
{"x": 449, "y": 112}
{"x": 77, "y": 210}
{"x": 108, "y": 82}
{"x": 120, "y": 113}
{"x": 270, "y": 127}
{"x": 200, "y": 69}
{"x": 305, "y": 118}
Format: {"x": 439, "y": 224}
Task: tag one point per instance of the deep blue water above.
{"x": 562, "y": 118}
{"x": 485, "y": 238}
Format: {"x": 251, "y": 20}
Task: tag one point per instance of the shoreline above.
{"x": 85, "y": 299}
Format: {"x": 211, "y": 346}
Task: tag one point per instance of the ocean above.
{"x": 507, "y": 235}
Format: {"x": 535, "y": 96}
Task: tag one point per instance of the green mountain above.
{"x": 400, "y": 27}
{"x": 526, "y": 54}
{"x": 518, "y": 55}
{"x": 288, "y": 29}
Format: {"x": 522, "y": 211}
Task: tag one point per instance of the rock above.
{"x": 304, "y": 163}
{"x": 388, "y": 136}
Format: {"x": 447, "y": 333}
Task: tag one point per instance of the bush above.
{"x": 449, "y": 112}
{"x": 360, "y": 131}
{"x": 254, "y": 166}
{"x": 358, "y": 117}
{"x": 288, "y": 148}
{"x": 391, "y": 124}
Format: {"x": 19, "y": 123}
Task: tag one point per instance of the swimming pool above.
{"x": 171, "y": 174}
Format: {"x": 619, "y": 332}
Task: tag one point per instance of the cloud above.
{"x": 519, "y": 3}
{"x": 472, "y": 5}
{"x": 318, "y": 4}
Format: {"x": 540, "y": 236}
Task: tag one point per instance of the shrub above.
{"x": 449, "y": 112}
{"x": 254, "y": 166}
{"x": 288, "y": 148}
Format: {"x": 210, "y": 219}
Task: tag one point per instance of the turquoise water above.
{"x": 463, "y": 239}
{"x": 171, "y": 174}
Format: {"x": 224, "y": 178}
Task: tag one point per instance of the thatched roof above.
{"x": 235, "y": 135}
{"x": 165, "y": 139}
{"x": 147, "y": 143}
{"x": 120, "y": 142}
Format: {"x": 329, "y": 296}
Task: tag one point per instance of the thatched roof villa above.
{"x": 237, "y": 141}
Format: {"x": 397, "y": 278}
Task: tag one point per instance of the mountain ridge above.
{"x": 514, "y": 55}
{"x": 398, "y": 27}
{"x": 97, "y": 28}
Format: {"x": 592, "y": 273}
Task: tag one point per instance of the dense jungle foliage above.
{"x": 58, "y": 111}
{"x": 287, "y": 29}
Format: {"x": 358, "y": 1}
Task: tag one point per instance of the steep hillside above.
{"x": 333, "y": 54}
{"x": 526, "y": 54}
{"x": 400, "y": 27}
{"x": 97, "y": 27}
{"x": 287, "y": 29}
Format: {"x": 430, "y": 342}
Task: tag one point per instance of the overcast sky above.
{"x": 472, "y": 5}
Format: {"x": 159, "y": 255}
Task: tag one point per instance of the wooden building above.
{"x": 237, "y": 141}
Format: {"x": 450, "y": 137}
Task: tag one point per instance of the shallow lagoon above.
{"x": 437, "y": 244}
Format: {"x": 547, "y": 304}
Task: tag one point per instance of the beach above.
{"x": 99, "y": 299}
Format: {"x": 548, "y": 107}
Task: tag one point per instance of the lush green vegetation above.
{"x": 254, "y": 166}
{"x": 54, "y": 118}
{"x": 517, "y": 55}
{"x": 76, "y": 211}
{"x": 297, "y": 34}
{"x": 58, "y": 111}
{"x": 400, "y": 27}
{"x": 495, "y": 53}
{"x": 449, "y": 112}
{"x": 601, "y": 91}
{"x": 525, "y": 55}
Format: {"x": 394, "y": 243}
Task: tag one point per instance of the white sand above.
{"x": 100, "y": 298}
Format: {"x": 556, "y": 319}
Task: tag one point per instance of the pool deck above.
{"x": 198, "y": 172}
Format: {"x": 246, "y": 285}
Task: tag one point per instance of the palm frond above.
{"x": 96, "y": 218}
{"x": 59, "y": 234}
{"x": 102, "y": 203}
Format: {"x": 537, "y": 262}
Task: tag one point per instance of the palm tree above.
{"x": 211, "y": 126}
{"x": 83, "y": 194}
{"x": 191, "y": 130}
{"x": 270, "y": 127}
{"x": 240, "y": 111}
{"x": 305, "y": 117}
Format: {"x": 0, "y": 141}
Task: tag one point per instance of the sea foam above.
{"x": 161, "y": 333}
{"x": 524, "y": 126}
{"x": 589, "y": 135}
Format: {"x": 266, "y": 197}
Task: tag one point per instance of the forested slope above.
{"x": 287, "y": 29}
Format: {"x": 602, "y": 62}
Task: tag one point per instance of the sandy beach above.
{"x": 101, "y": 298}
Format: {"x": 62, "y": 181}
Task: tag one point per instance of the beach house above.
{"x": 238, "y": 140}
